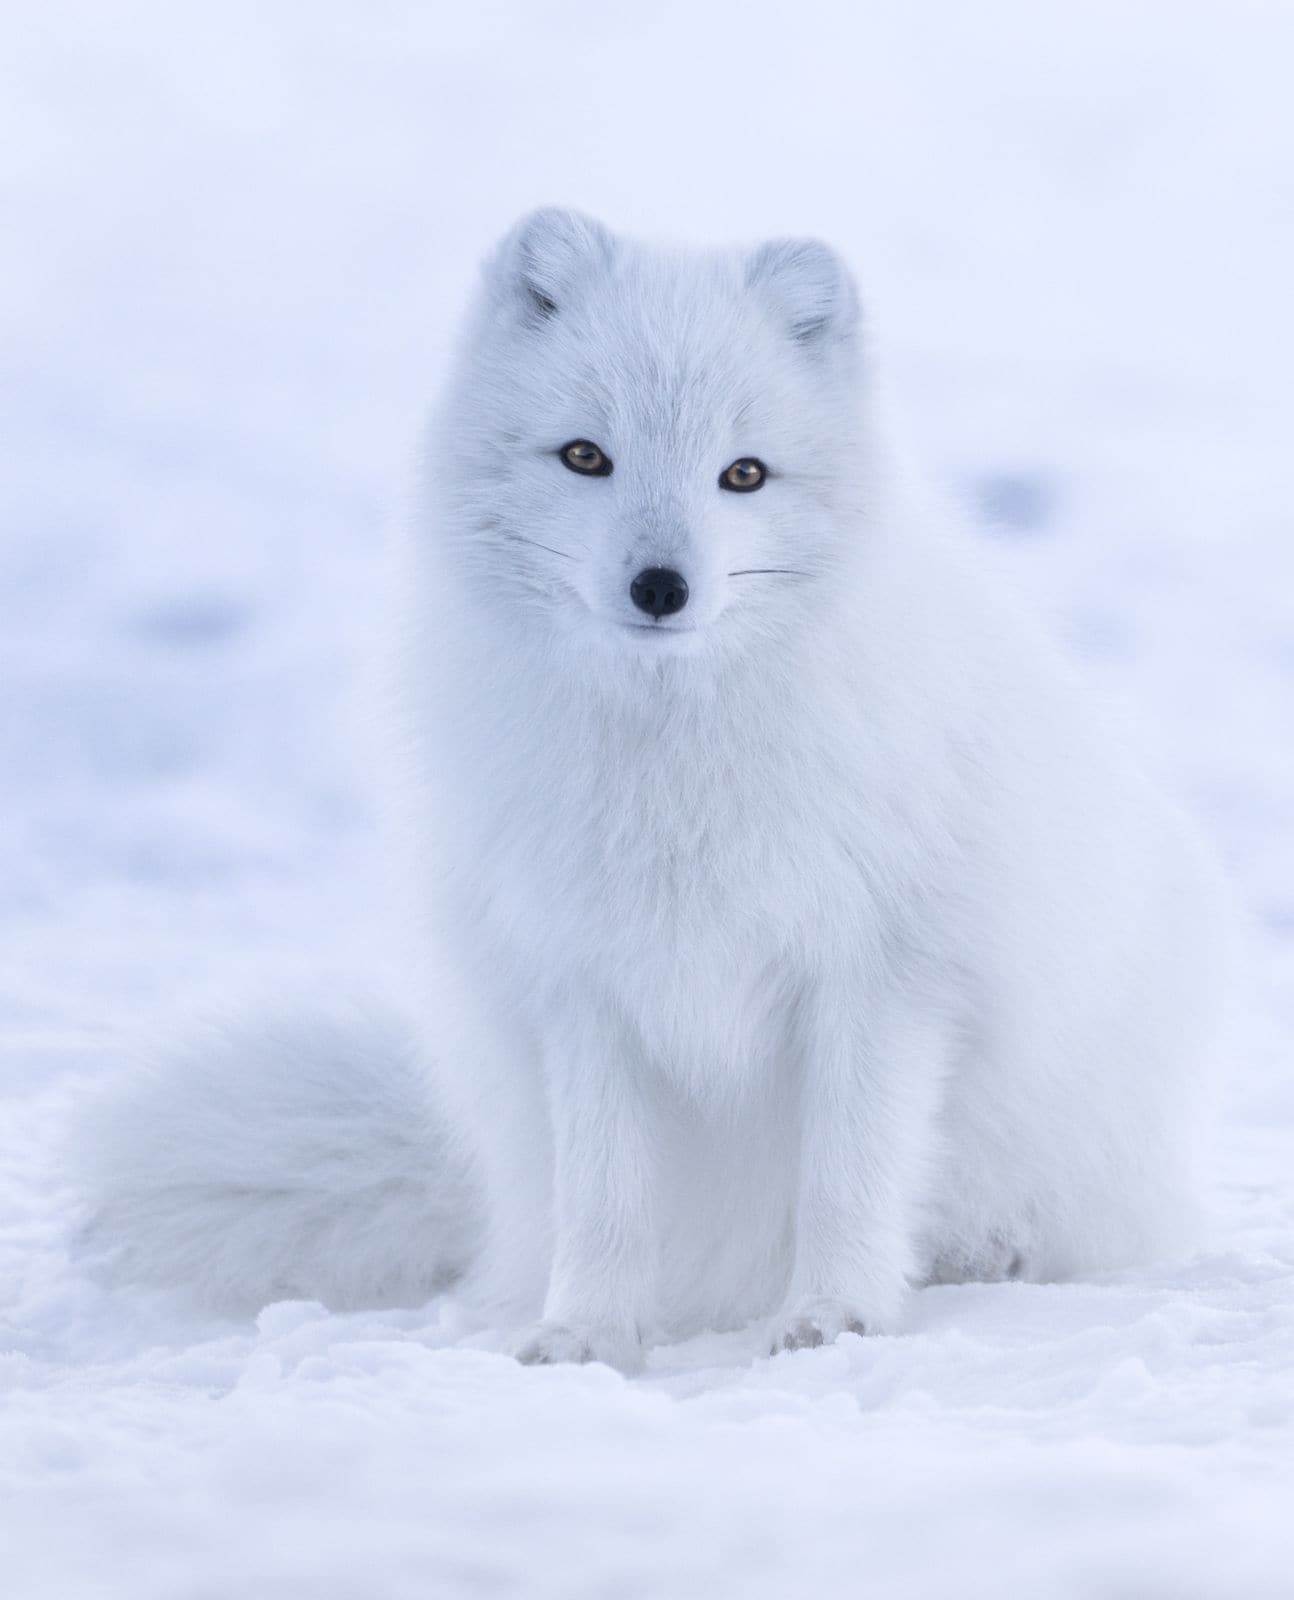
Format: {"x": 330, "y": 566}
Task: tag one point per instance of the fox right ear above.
{"x": 546, "y": 255}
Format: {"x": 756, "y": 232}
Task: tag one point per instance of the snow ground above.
{"x": 237, "y": 240}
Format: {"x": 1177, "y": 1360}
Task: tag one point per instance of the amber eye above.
{"x": 744, "y": 475}
{"x": 581, "y": 456}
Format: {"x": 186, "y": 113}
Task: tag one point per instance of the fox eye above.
{"x": 744, "y": 475}
{"x": 581, "y": 456}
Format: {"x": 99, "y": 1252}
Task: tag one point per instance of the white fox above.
{"x": 805, "y": 938}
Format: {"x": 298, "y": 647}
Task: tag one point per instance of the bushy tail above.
{"x": 302, "y": 1157}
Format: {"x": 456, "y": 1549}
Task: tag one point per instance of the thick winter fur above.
{"x": 299, "y": 1157}
{"x": 802, "y": 946}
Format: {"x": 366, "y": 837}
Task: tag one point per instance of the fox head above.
{"x": 657, "y": 452}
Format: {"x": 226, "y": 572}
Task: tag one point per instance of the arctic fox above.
{"x": 795, "y": 935}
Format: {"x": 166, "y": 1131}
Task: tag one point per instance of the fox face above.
{"x": 657, "y": 452}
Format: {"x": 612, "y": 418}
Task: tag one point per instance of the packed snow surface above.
{"x": 237, "y": 240}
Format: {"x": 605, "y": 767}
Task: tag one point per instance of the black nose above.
{"x": 659, "y": 591}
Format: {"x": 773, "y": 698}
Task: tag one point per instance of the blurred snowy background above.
{"x": 235, "y": 242}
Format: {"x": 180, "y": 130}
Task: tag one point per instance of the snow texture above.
{"x": 237, "y": 238}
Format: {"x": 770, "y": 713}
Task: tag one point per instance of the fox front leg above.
{"x": 871, "y": 1088}
{"x": 604, "y": 1245}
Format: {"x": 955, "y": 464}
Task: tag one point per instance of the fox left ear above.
{"x": 808, "y": 286}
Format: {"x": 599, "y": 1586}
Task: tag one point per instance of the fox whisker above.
{"x": 520, "y": 538}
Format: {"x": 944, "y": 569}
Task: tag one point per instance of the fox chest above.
{"x": 699, "y": 972}
{"x": 687, "y": 902}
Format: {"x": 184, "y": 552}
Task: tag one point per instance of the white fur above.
{"x": 806, "y": 945}
{"x": 302, "y": 1156}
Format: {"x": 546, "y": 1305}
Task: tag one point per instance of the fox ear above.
{"x": 546, "y": 255}
{"x": 808, "y": 287}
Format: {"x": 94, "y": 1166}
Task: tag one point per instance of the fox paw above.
{"x": 552, "y": 1343}
{"x": 811, "y": 1322}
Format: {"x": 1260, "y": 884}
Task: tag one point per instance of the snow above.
{"x": 237, "y": 241}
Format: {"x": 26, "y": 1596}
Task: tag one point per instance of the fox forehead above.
{"x": 656, "y": 355}
{"x": 674, "y": 354}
